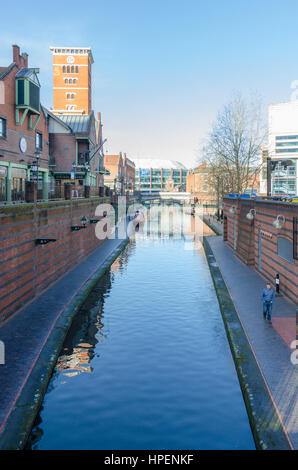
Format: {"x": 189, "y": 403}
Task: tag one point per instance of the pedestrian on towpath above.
{"x": 268, "y": 296}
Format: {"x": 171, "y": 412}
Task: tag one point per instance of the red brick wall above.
{"x": 25, "y": 268}
{"x": 247, "y": 239}
{"x": 63, "y": 144}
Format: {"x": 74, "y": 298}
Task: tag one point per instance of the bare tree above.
{"x": 233, "y": 147}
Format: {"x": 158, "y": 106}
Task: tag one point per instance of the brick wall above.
{"x": 63, "y": 144}
{"x": 26, "y": 268}
{"x": 256, "y": 241}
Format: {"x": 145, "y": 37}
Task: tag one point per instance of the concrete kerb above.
{"x": 267, "y": 428}
{"x": 20, "y": 421}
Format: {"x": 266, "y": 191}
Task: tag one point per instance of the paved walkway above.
{"x": 25, "y": 334}
{"x": 271, "y": 343}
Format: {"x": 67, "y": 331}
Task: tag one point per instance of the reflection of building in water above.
{"x": 167, "y": 220}
{"x": 115, "y": 266}
{"x": 76, "y": 361}
{"x": 88, "y": 328}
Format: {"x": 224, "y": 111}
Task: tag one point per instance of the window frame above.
{"x": 39, "y": 140}
{"x": 3, "y": 135}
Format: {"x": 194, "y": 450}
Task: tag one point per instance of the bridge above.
{"x": 169, "y": 196}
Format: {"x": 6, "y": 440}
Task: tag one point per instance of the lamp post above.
{"x": 35, "y": 166}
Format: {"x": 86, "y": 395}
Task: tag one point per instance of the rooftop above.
{"x": 158, "y": 163}
{"x": 77, "y": 123}
{"x": 72, "y": 50}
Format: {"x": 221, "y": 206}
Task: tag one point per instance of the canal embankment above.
{"x": 262, "y": 358}
{"x": 213, "y": 224}
{"x": 33, "y": 338}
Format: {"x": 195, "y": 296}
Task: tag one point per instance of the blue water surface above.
{"x": 146, "y": 363}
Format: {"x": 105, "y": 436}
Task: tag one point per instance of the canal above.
{"x": 146, "y": 363}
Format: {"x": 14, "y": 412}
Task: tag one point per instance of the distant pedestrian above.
{"x": 268, "y": 296}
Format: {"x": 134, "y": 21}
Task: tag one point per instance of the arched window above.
{"x": 68, "y": 96}
{"x": 66, "y": 81}
{"x": 68, "y": 69}
{"x": 72, "y": 69}
{"x": 63, "y": 69}
{"x": 77, "y": 69}
{"x": 70, "y": 80}
{"x": 74, "y": 81}
{"x": 72, "y": 96}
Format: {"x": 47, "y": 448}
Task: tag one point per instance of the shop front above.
{"x": 18, "y": 183}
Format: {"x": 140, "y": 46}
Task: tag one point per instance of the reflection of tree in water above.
{"x": 85, "y": 332}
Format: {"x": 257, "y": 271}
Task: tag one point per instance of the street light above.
{"x": 35, "y": 165}
{"x": 251, "y": 214}
{"x": 84, "y": 220}
{"x": 277, "y": 223}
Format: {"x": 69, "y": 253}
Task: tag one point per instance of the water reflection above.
{"x": 85, "y": 332}
{"x": 146, "y": 363}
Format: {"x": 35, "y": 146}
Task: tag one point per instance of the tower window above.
{"x": 70, "y": 80}
{"x": 63, "y": 69}
{"x": 68, "y": 69}
{"x": 66, "y": 81}
{"x": 77, "y": 69}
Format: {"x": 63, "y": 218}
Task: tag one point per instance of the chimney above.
{"x": 16, "y": 54}
{"x": 99, "y": 116}
{"x": 25, "y": 59}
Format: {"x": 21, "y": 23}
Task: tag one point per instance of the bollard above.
{"x": 277, "y": 283}
{"x": 86, "y": 191}
{"x": 31, "y": 191}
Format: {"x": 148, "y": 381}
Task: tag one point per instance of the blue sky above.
{"x": 162, "y": 68}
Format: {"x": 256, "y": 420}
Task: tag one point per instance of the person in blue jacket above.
{"x": 268, "y": 296}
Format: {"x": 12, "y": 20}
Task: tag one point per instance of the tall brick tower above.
{"x": 72, "y": 80}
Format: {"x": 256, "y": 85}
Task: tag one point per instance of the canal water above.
{"x": 146, "y": 363}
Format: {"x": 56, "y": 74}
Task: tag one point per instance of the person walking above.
{"x": 268, "y": 296}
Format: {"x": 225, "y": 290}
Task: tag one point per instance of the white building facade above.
{"x": 283, "y": 147}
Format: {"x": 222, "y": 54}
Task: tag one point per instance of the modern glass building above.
{"x": 283, "y": 148}
{"x": 284, "y": 172}
{"x": 159, "y": 175}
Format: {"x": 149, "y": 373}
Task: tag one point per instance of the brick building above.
{"x": 129, "y": 174}
{"x": 24, "y": 138}
{"x": 72, "y": 80}
{"x": 121, "y": 177}
{"x": 79, "y": 139}
{"x": 198, "y": 184}
{"x": 267, "y": 240}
